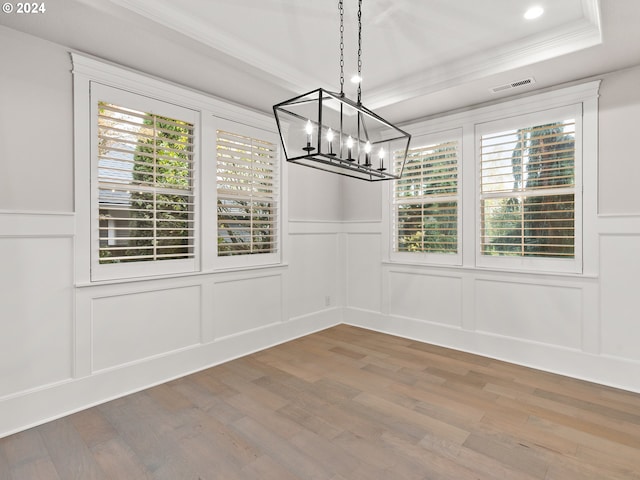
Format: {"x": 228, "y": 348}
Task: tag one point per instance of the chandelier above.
{"x": 328, "y": 131}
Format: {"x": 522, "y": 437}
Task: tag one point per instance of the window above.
{"x": 143, "y": 186}
{"x": 169, "y": 181}
{"x": 528, "y": 189}
{"x": 247, "y": 195}
{"x": 501, "y": 187}
{"x": 426, "y": 200}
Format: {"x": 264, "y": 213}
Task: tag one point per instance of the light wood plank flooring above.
{"x": 345, "y": 404}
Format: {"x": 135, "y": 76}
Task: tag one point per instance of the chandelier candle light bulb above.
{"x": 381, "y": 157}
{"x": 367, "y": 152}
{"x": 330, "y": 142}
{"x": 349, "y": 148}
{"x": 309, "y": 129}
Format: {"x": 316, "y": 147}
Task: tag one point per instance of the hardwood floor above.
{"x": 345, "y": 404}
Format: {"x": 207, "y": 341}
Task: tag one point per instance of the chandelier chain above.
{"x": 360, "y": 51}
{"x": 341, "y": 11}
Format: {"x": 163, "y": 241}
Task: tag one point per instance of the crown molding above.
{"x": 173, "y": 17}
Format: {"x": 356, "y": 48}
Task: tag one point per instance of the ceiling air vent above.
{"x": 517, "y": 84}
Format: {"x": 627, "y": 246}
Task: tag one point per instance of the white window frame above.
{"x": 262, "y": 259}
{"x": 428, "y": 257}
{"x": 568, "y": 265}
{"x": 583, "y": 96}
{"x": 89, "y": 72}
{"x": 110, "y": 271}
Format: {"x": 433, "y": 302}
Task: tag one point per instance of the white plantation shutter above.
{"x": 145, "y": 202}
{"x": 248, "y": 197}
{"x": 528, "y": 191}
{"x": 426, "y": 199}
{"x": 145, "y": 179}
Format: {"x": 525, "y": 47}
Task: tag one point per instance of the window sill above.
{"x": 182, "y": 276}
{"x": 491, "y": 270}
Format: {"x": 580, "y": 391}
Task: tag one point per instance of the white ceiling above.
{"x": 420, "y": 57}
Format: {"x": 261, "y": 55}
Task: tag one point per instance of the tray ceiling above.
{"x": 410, "y": 47}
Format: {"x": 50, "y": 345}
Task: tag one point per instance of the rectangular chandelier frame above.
{"x": 328, "y": 131}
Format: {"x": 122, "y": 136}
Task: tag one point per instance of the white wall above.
{"x": 619, "y": 165}
{"x": 619, "y": 216}
{"x": 36, "y": 223}
{"x": 585, "y": 327}
{"x": 35, "y": 76}
{"x": 65, "y": 346}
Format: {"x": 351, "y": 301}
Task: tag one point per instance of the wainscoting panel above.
{"x": 36, "y": 300}
{"x": 620, "y": 295}
{"x": 424, "y": 296}
{"x": 246, "y": 304}
{"x": 135, "y": 326}
{"x": 546, "y": 313}
{"x": 363, "y": 275}
{"x": 64, "y": 347}
{"x": 314, "y": 269}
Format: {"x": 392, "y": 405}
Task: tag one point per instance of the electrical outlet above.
{"x": 327, "y": 301}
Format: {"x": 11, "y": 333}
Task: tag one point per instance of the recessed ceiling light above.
{"x": 356, "y": 79}
{"x": 534, "y": 12}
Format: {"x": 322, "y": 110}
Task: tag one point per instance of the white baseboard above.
{"x": 605, "y": 370}
{"x": 35, "y": 407}
{"x": 39, "y": 406}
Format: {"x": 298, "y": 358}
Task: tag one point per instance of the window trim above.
{"x": 87, "y": 69}
{"x": 100, "y": 271}
{"x": 544, "y": 264}
{"x": 586, "y": 95}
{"x": 427, "y": 257}
{"x": 250, "y": 260}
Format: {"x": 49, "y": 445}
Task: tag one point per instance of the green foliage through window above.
{"x": 145, "y": 176}
{"x": 426, "y": 200}
{"x": 527, "y": 191}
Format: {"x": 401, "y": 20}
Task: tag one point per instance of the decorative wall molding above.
{"x": 309, "y": 227}
{"x": 37, "y": 406}
{"x": 603, "y": 369}
{"x": 36, "y": 224}
{"x": 612, "y": 224}
{"x": 315, "y": 227}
